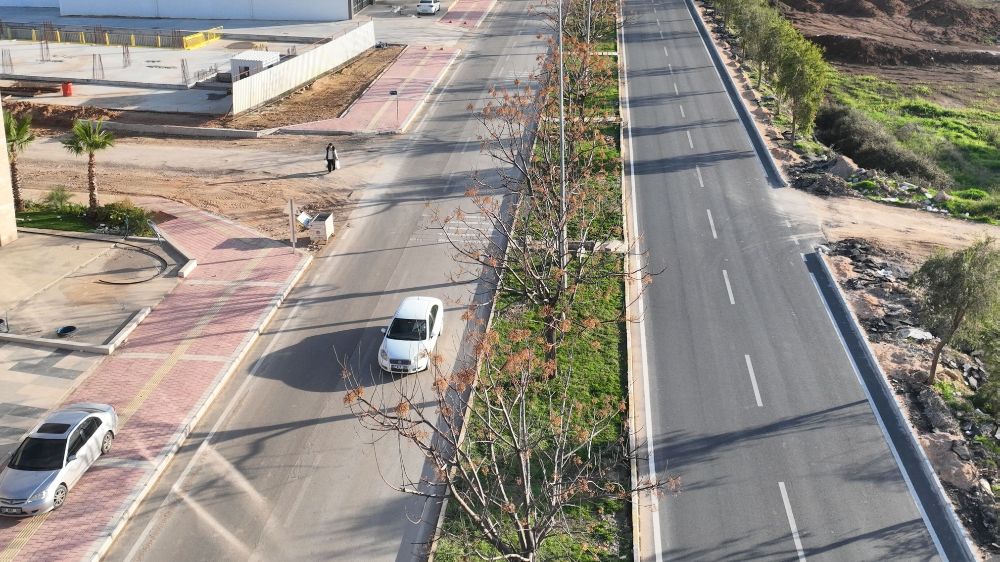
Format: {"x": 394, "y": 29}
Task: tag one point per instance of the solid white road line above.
{"x": 640, "y": 303}
{"x": 729, "y": 288}
{"x": 711, "y": 223}
{"x": 791, "y": 521}
{"x": 756, "y": 391}
{"x": 690, "y": 142}
{"x": 878, "y": 416}
{"x": 665, "y": 53}
{"x": 701, "y": 182}
{"x": 676, "y": 91}
{"x": 682, "y": 110}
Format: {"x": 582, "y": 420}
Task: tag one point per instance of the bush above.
{"x": 124, "y": 216}
{"x": 57, "y": 199}
{"x": 871, "y": 146}
{"x": 972, "y": 194}
{"x": 866, "y": 185}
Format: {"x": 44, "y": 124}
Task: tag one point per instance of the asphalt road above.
{"x": 279, "y": 469}
{"x": 754, "y": 403}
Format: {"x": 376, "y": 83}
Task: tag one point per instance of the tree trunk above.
{"x": 934, "y": 361}
{"x": 15, "y": 183}
{"x": 550, "y": 337}
{"x": 92, "y": 183}
{"x": 793, "y": 128}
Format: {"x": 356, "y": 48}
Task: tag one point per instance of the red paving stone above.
{"x": 413, "y": 76}
{"x": 467, "y": 13}
{"x": 239, "y": 278}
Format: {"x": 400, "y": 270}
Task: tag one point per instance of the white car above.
{"x": 412, "y": 335}
{"x": 428, "y": 7}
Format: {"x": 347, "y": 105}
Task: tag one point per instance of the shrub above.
{"x": 57, "y": 199}
{"x": 866, "y": 185}
{"x": 971, "y": 194}
{"x": 125, "y": 216}
{"x": 870, "y": 145}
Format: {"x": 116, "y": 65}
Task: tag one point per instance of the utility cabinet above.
{"x": 248, "y": 63}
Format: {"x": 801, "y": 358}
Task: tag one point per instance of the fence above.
{"x": 291, "y": 74}
{"x": 109, "y": 36}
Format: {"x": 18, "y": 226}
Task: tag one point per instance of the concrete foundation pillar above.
{"x": 8, "y": 226}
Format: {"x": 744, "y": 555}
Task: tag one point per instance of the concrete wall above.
{"x": 8, "y": 226}
{"x": 265, "y": 86}
{"x": 303, "y": 10}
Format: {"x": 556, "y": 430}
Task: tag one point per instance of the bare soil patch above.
{"x": 912, "y": 42}
{"x": 326, "y": 98}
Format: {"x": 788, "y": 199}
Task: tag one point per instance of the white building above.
{"x": 300, "y": 10}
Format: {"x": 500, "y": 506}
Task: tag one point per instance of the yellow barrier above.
{"x": 201, "y": 38}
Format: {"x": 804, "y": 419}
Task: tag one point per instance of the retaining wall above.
{"x": 278, "y": 80}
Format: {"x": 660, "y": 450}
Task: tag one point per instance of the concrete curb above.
{"x": 181, "y": 131}
{"x": 145, "y": 487}
{"x": 189, "y": 264}
{"x": 430, "y": 91}
{"x": 756, "y": 138}
{"x": 911, "y": 441}
{"x": 101, "y": 349}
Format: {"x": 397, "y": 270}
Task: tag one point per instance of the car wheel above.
{"x": 59, "y": 497}
{"x": 106, "y": 443}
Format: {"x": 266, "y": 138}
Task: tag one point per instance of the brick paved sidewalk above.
{"x": 161, "y": 379}
{"x": 413, "y": 76}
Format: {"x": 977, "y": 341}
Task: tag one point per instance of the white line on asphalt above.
{"x": 640, "y": 303}
{"x": 753, "y": 381}
{"x": 676, "y": 91}
{"x": 701, "y": 182}
{"x": 670, "y": 69}
{"x": 791, "y": 519}
{"x": 712, "y": 224}
{"x": 657, "y": 21}
{"x": 665, "y": 53}
{"x": 690, "y": 142}
{"x": 244, "y": 389}
{"x": 682, "y": 110}
{"x": 661, "y": 34}
{"x": 729, "y": 288}
{"x": 795, "y": 239}
{"x": 878, "y": 416}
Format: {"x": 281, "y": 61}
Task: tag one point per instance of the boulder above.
{"x": 915, "y": 334}
{"x": 941, "y": 197}
{"x": 843, "y": 167}
{"x": 937, "y": 412}
{"x": 946, "y": 463}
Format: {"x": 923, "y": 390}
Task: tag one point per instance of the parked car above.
{"x": 428, "y": 7}
{"x": 412, "y": 335}
{"x": 53, "y": 458}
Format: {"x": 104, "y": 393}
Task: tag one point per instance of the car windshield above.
{"x": 39, "y": 454}
{"x": 407, "y": 329}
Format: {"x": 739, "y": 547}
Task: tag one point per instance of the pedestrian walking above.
{"x": 336, "y": 158}
{"x": 331, "y": 155}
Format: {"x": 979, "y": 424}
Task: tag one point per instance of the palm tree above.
{"x": 19, "y": 136}
{"x": 89, "y": 137}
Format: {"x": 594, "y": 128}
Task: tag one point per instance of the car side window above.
{"x": 90, "y": 427}
{"x": 77, "y": 440}
{"x": 434, "y": 314}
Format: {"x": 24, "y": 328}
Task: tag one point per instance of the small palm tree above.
{"x": 89, "y": 137}
{"x": 19, "y": 136}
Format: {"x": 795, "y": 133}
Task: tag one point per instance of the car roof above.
{"x": 416, "y": 307}
{"x": 70, "y": 417}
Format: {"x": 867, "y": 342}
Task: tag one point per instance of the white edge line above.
{"x": 729, "y": 288}
{"x": 753, "y": 381}
{"x": 640, "y": 302}
{"x": 878, "y": 418}
{"x": 711, "y": 223}
{"x": 791, "y": 520}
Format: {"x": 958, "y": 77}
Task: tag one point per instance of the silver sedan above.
{"x": 53, "y": 458}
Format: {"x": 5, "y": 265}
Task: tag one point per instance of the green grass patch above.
{"x": 965, "y": 143}
{"x": 54, "y": 220}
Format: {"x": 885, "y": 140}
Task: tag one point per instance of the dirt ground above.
{"x": 948, "y": 45}
{"x": 327, "y": 97}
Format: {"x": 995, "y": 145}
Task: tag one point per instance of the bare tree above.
{"x": 532, "y": 452}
